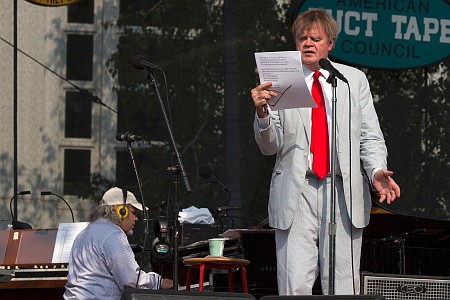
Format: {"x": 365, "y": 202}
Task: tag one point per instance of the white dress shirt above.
{"x": 102, "y": 263}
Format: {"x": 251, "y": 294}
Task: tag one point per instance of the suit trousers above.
{"x": 303, "y": 249}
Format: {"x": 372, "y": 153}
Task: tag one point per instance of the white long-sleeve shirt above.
{"x": 102, "y": 263}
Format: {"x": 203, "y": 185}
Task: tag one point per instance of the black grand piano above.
{"x": 392, "y": 244}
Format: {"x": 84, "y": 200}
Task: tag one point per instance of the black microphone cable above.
{"x": 351, "y": 183}
{"x": 94, "y": 99}
{"x": 207, "y": 173}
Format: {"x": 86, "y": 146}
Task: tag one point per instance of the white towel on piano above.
{"x": 194, "y": 215}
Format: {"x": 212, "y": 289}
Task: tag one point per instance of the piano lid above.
{"x": 385, "y": 223}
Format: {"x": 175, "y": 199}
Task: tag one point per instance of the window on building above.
{"x": 78, "y": 115}
{"x": 79, "y": 56}
{"x": 77, "y": 171}
{"x": 81, "y": 12}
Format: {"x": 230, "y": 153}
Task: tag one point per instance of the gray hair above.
{"x": 307, "y": 19}
{"x": 103, "y": 211}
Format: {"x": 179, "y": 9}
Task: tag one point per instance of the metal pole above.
{"x": 180, "y": 169}
{"x": 232, "y": 117}
{"x": 332, "y": 225}
{"x": 16, "y": 170}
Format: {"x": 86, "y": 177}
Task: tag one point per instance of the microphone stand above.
{"x": 401, "y": 255}
{"x": 16, "y": 224}
{"x": 332, "y": 226}
{"x": 153, "y": 83}
{"x": 139, "y": 182}
{"x": 144, "y": 207}
{"x": 180, "y": 169}
{"x": 175, "y": 170}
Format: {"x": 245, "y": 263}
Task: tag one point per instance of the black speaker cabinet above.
{"x": 140, "y": 294}
{"x": 325, "y": 297}
{"x": 394, "y": 286}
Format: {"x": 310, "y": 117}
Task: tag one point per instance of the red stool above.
{"x": 216, "y": 262}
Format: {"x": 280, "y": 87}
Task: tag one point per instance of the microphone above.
{"x": 48, "y": 193}
{"x": 127, "y": 137}
{"x": 326, "y": 65}
{"x": 395, "y": 237}
{"x": 13, "y": 215}
{"x": 206, "y": 173}
{"x": 141, "y": 63}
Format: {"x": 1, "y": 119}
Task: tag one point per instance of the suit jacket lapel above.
{"x": 306, "y": 121}
{"x": 341, "y": 103}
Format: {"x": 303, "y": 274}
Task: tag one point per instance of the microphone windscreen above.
{"x": 205, "y": 172}
{"x": 120, "y": 137}
{"x": 324, "y": 63}
{"x": 136, "y": 61}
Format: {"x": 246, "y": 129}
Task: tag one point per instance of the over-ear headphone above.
{"x": 122, "y": 210}
{"x": 161, "y": 246}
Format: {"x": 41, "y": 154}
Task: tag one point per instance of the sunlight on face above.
{"x": 313, "y": 44}
{"x": 127, "y": 225}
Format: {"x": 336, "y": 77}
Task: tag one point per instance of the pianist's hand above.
{"x": 386, "y": 186}
{"x": 166, "y": 284}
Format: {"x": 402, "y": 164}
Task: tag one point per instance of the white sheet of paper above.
{"x": 67, "y": 232}
{"x": 284, "y": 69}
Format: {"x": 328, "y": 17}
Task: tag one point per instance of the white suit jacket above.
{"x": 288, "y": 136}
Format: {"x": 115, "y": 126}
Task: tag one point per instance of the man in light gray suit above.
{"x": 299, "y": 198}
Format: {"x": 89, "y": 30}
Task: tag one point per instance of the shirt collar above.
{"x": 309, "y": 74}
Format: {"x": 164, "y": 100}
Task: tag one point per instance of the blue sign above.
{"x": 393, "y": 34}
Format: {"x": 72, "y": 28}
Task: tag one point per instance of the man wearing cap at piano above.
{"x": 301, "y": 183}
{"x": 101, "y": 262}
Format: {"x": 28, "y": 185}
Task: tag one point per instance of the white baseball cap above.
{"x": 114, "y": 196}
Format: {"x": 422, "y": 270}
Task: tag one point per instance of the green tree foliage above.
{"x": 186, "y": 39}
{"x": 414, "y": 111}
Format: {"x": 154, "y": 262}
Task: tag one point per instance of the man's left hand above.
{"x": 386, "y": 186}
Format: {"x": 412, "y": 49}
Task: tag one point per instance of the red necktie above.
{"x": 319, "y": 131}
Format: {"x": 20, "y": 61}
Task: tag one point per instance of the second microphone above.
{"x": 127, "y": 137}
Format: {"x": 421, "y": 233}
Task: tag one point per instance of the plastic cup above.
{"x": 216, "y": 246}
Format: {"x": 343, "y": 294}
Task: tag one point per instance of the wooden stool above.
{"x": 216, "y": 262}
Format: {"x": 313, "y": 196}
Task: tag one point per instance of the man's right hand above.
{"x": 166, "y": 284}
{"x": 260, "y": 95}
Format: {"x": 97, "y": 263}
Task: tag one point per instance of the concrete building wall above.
{"x": 41, "y": 91}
